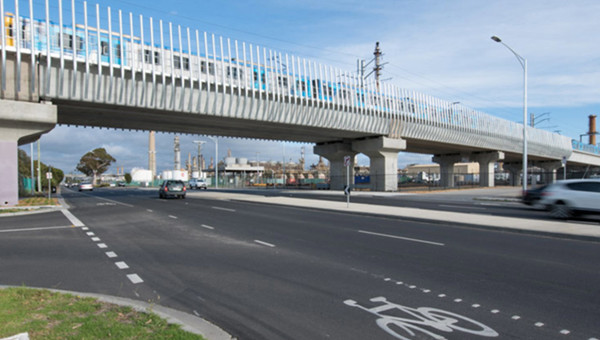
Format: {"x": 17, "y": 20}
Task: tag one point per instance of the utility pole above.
{"x": 177, "y": 150}
{"x": 361, "y": 66}
{"x": 378, "y": 66}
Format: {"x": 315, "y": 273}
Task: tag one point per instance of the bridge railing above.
{"x": 102, "y": 55}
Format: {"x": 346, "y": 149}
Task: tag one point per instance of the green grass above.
{"x": 49, "y": 315}
{"x": 32, "y": 201}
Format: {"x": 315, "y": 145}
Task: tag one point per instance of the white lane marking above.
{"x": 102, "y": 245}
{"x": 207, "y": 227}
{"x": 121, "y": 265}
{"x": 111, "y": 254}
{"x": 224, "y": 209}
{"x": 495, "y": 311}
{"x": 457, "y": 300}
{"x": 516, "y": 317}
{"x": 89, "y": 233}
{"x": 399, "y": 282}
{"x": 387, "y": 279}
{"x": 265, "y": 243}
{"x": 426, "y": 291}
{"x": 461, "y": 207}
{"x": 565, "y": 331}
{"x": 135, "y": 278}
{"x": 173, "y": 217}
{"x": 442, "y": 295}
{"x": 539, "y": 324}
{"x": 85, "y": 228}
{"x": 76, "y": 222}
{"x": 96, "y": 239}
{"x": 412, "y": 287}
{"x": 35, "y": 229}
{"x": 402, "y": 238}
{"x": 113, "y": 201}
{"x": 476, "y": 305}
{"x": 149, "y": 210}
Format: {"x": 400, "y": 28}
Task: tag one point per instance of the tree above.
{"x": 95, "y": 163}
{"x": 128, "y": 178}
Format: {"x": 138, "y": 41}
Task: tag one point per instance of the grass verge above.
{"x": 49, "y": 315}
{"x": 33, "y": 201}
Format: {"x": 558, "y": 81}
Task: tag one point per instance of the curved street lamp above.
{"x": 523, "y": 62}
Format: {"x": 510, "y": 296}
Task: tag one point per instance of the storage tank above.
{"x": 141, "y": 175}
{"x": 167, "y": 174}
{"x": 242, "y": 161}
{"x": 229, "y": 161}
{"x": 181, "y": 175}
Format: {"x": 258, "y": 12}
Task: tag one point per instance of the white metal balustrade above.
{"x": 76, "y": 53}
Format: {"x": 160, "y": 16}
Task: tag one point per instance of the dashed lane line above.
{"x": 402, "y": 238}
{"x": 111, "y": 254}
{"x": 265, "y": 243}
{"x": 224, "y": 209}
{"x": 207, "y": 227}
{"x": 121, "y": 265}
{"x": 135, "y": 278}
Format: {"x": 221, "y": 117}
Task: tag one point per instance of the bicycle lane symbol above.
{"x": 425, "y": 320}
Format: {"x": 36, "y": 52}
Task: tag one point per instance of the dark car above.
{"x": 172, "y": 188}
{"x": 533, "y": 196}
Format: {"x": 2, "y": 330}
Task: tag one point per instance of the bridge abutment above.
{"x": 486, "y": 162}
{"x": 20, "y": 123}
{"x": 383, "y": 154}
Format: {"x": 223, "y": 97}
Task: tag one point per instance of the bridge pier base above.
{"x": 550, "y": 168}
{"x": 335, "y": 153}
{"x": 486, "y": 162}
{"x": 446, "y": 163}
{"x": 383, "y": 153}
{"x": 515, "y": 170}
{"x": 20, "y": 123}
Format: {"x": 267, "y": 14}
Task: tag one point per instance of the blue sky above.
{"x": 441, "y": 48}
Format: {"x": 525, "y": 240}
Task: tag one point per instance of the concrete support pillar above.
{"x": 550, "y": 168}
{"x": 20, "y": 123}
{"x": 335, "y": 153}
{"x": 383, "y": 153}
{"x": 515, "y": 170}
{"x": 446, "y": 163}
{"x": 486, "y": 162}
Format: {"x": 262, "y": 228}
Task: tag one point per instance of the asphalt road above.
{"x": 272, "y": 272}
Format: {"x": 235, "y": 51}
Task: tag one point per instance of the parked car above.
{"x": 172, "y": 188}
{"x": 572, "y": 197}
{"x": 196, "y": 183}
{"x": 533, "y": 196}
{"x": 121, "y": 184}
{"x": 86, "y": 186}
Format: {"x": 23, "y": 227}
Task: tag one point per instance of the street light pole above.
{"x": 523, "y": 62}
{"x": 216, "y": 141}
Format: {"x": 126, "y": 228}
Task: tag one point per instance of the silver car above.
{"x": 572, "y": 197}
{"x": 86, "y": 186}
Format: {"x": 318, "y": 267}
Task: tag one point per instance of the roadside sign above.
{"x": 48, "y": 175}
{"x": 564, "y": 161}
{"x": 347, "y": 190}
{"x": 346, "y": 160}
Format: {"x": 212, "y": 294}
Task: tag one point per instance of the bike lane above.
{"x": 405, "y": 310}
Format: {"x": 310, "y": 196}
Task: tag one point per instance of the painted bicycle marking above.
{"x": 406, "y": 322}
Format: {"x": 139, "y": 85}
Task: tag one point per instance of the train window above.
{"x": 104, "y": 48}
{"x": 232, "y": 72}
{"x": 80, "y": 43}
{"x": 283, "y": 81}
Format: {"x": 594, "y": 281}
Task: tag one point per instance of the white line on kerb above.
{"x": 224, "y": 209}
{"x": 76, "y": 222}
{"x": 265, "y": 243}
{"x": 135, "y": 278}
{"x": 402, "y": 238}
{"x": 207, "y": 227}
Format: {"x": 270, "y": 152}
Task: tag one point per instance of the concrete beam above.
{"x": 515, "y": 170}
{"x": 549, "y": 167}
{"x": 335, "y": 153}
{"x": 20, "y": 123}
{"x": 383, "y": 153}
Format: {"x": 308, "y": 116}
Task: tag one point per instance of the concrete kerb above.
{"x": 188, "y": 322}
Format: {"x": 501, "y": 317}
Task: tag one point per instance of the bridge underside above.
{"x": 137, "y": 118}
